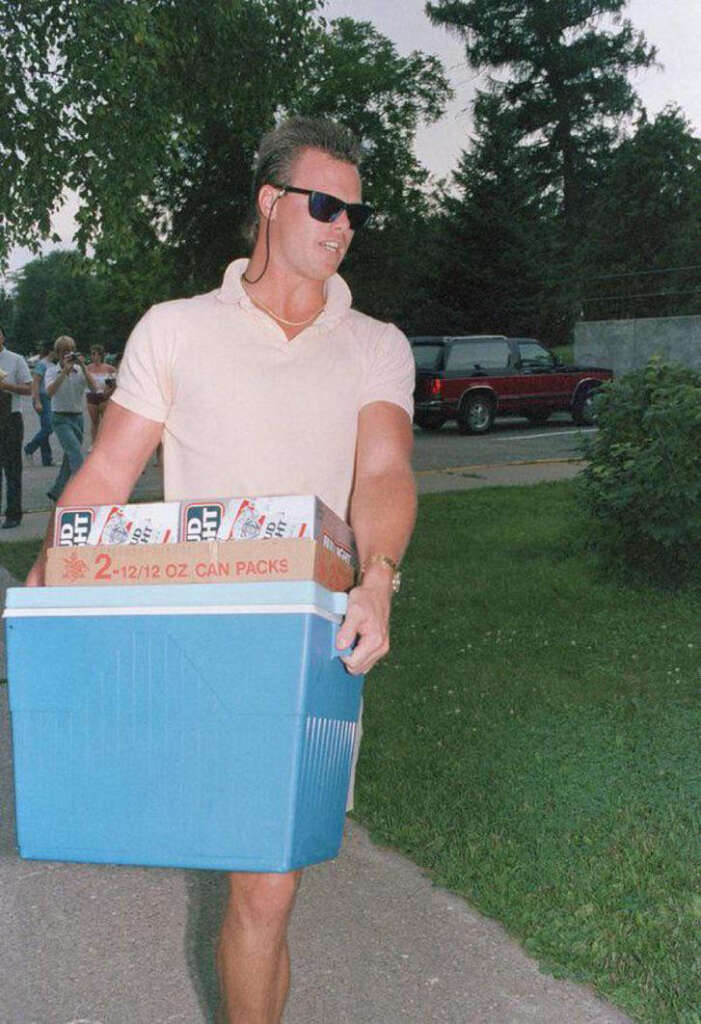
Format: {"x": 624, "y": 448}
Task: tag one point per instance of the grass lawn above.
{"x": 18, "y": 556}
{"x": 533, "y": 742}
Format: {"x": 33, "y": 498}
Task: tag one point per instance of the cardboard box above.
{"x": 225, "y": 519}
{"x": 148, "y": 523}
{"x": 233, "y": 561}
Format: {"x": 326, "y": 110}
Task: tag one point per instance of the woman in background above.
{"x": 100, "y": 371}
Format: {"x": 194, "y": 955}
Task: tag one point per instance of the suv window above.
{"x": 484, "y": 355}
{"x": 533, "y": 354}
{"x": 427, "y": 356}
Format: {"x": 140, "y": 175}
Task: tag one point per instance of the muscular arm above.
{"x": 122, "y": 448}
{"x": 383, "y": 510}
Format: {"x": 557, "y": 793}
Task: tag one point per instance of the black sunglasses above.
{"x": 327, "y": 208}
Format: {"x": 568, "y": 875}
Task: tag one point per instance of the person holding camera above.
{"x": 65, "y": 385}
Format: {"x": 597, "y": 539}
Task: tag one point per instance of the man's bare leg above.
{"x": 252, "y": 955}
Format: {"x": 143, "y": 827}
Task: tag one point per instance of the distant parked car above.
{"x": 473, "y": 378}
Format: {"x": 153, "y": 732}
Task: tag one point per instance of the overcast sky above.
{"x": 673, "y": 26}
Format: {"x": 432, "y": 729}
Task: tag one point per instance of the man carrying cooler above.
{"x": 308, "y": 396}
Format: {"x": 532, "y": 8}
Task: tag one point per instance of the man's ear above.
{"x": 266, "y": 199}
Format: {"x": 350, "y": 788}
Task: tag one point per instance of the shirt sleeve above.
{"x": 50, "y": 374}
{"x": 23, "y": 373}
{"x": 390, "y": 374}
{"x": 144, "y": 383}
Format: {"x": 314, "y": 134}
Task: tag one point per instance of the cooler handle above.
{"x": 340, "y": 602}
{"x": 335, "y": 652}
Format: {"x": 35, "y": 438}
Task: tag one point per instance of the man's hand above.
{"x": 367, "y": 618}
{"x": 35, "y": 576}
{"x": 37, "y": 406}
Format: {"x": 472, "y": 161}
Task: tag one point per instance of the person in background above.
{"x": 42, "y": 406}
{"x": 65, "y": 386}
{"x": 111, "y": 378}
{"x": 15, "y": 381}
{"x": 97, "y": 400}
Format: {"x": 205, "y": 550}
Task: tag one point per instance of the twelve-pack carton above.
{"x": 211, "y": 540}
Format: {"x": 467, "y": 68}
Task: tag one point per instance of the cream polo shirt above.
{"x": 244, "y": 410}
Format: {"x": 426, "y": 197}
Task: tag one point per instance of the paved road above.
{"x": 511, "y": 441}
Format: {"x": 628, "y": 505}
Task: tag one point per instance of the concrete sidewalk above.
{"x": 37, "y": 506}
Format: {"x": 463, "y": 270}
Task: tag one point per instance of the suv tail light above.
{"x": 434, "y": 387}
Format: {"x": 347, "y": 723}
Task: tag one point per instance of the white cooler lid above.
{"x": 177, "y": 599}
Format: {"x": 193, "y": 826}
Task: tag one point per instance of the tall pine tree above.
{"x": 563, "y": 73}
{"x": 496, "y": 229}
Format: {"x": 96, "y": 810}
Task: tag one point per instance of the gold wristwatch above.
{"x": 382, "y": 560}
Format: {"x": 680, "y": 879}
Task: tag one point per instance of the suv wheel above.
{"x": 429, "y": 420}
{"x": 476, "y": 415}
{"x": 583, "y": 409}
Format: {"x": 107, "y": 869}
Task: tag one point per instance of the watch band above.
{"x": 383, "y": 560}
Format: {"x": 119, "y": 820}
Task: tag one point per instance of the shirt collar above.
{"x": 338, "y": 295}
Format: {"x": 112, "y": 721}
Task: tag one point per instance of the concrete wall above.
{"x": 623, "y": 345}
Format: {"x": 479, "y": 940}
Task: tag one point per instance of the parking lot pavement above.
{"x": 511, "y": 441}
{"x": 37, "y": 479}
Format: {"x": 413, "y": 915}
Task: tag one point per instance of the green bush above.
{"x": 642, "y": 487}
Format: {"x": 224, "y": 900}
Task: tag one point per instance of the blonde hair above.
{"x": 64, "y": 344}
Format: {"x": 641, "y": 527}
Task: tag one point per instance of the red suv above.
{"x": 474, "y": 378}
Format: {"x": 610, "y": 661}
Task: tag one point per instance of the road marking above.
{"x": 532, "y": 437}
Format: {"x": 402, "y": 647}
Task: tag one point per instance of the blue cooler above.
{"x": 198, "y": 725}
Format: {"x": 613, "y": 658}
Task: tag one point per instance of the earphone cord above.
{"x": 267, "y": 244}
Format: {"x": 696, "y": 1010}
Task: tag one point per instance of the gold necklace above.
{"x": 280, "y": 319}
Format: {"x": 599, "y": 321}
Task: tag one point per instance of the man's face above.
{"x": 66, "y": 352}
{"x": 301, "y": 244}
